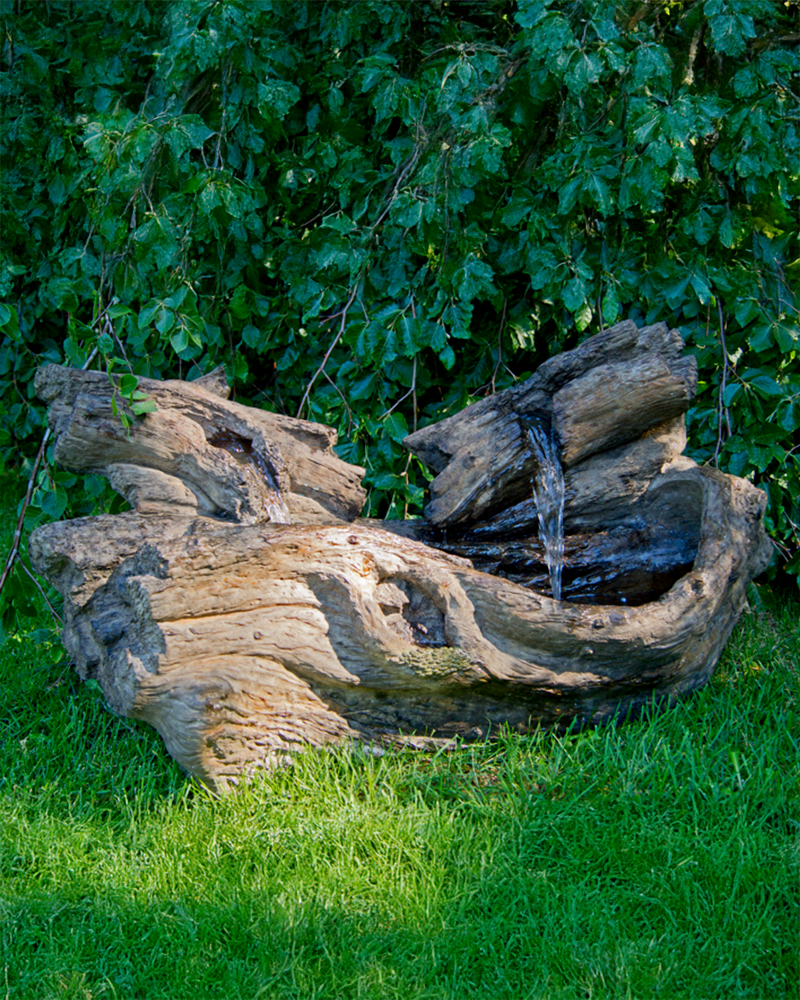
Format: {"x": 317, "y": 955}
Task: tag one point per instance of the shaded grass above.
{"x": 657, "y": 859}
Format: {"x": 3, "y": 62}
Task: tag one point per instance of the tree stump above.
{"x": 243, "y": 611}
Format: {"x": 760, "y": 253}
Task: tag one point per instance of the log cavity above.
{"x": 631, "y": 563}
{"x": 242, "y": 449}
{"x": 411, "y": 612}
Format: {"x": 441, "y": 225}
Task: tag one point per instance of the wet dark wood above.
{"x": 242, "y": 643}
{"x": 614, "y": 388}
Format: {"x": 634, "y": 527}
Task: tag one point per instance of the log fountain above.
{"x": 243, "y": 609}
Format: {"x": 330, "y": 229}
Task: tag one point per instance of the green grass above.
{"x": 658, "y": 859}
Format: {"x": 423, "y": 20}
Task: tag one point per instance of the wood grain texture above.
{"x": 199, "y": 453}
{"x": 242, "y": 611}
{"x": 610, "y": 390}
{"x": 240, "y": 643}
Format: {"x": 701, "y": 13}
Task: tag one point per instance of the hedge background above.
{"x": 375, "y": 212}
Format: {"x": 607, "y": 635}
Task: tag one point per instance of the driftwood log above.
{"x": 241, "y": 609}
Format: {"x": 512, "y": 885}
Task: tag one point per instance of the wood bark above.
{"x": 200, "y": 453}
{"x": 240, "y": 643}
{"x": 611, "y": 390}
{"x": 242, "y": 611}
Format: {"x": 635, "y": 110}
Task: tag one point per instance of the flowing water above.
{"x": 548, "y": 491}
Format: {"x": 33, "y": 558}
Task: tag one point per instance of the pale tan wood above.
{"x": 243, "y": 639}
{"x": 233, "y": 461}
{"x": 240, "y": 643}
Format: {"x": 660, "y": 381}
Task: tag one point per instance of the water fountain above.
{"x": 548, "y": 495}
{"x": 572, "y": 564}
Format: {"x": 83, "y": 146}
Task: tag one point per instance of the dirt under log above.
{"x": 242, "y": 635}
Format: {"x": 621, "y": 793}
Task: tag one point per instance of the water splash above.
{"x": 548, "y": 491}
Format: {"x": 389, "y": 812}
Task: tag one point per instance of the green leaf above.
{"x": 276, "y": 97}
{"x": 128, "y": 384}
{"x": 254, "y": 338}
{"x": 396, "y": 426}
{"x": 144, "y": 406}
{"x": 179, "y": 341}
{"x": 732, "y": 390}
{"x": 790, "y": 416}
{"x": 165, "y": 320}
{"x": 362, "y": 389}
{"x": 611, "y": 306}
{"x": 761, "y": 338}
{"x": 448, "y": 357}
{"x": 574, "y": 294}
{"x": 766, "y": 386}
{"x": 700, "y": 285}
{"x": 726, "y": 234}
{"x": 786, "y": 336}
{"x": 583, "y": 317}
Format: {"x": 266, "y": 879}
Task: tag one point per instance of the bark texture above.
{"x": 199, "y": 453}
{"x": 241, "y": 635}
{"x": 615, "y": 387}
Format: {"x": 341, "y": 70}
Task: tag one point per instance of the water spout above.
{"x": 548, "y": 491}
{"x": 242, "y": 450}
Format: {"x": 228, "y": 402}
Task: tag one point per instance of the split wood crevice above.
{"x": 242, "y": 610}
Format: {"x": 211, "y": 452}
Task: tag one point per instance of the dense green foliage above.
{"x": 374, "y": 212}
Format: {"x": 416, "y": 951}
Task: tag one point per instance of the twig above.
{"x": 414, "y": 374}
{"x": 637, "y": 16}
{"x": 21, "y": 519}
{"x": 688, "y": 76}
{"x": 28, "y": 494}
{"x": 108, "y": 327}
{"x": 411, "y": 392}
{"x": 344, "y": 402}
{"x": 56, "y": 616}
{"x": 721, "y": 407}
{"x": 600, "y": 305}
{"x": 336, "y": 339}
{"x": 500, "y": 344}
{"x": 409, "y": 165}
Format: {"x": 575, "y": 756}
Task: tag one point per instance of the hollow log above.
{"x": 242, "y": 611}
{"x": 240, "y": 643}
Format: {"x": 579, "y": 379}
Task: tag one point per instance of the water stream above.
{"x": 548, "y": 491}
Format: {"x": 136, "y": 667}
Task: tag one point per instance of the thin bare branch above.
{"x": 12, "y": 555}
{"x": 722, "y": 409}
{"x": 21, "y": 519}
{"x": 328, "y": 353}
{"x": 53, "y": 613}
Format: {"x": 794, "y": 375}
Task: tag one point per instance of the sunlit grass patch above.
{"x": 654, "y": 859}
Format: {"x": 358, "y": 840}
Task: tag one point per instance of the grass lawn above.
{"x": 657, "y": 859}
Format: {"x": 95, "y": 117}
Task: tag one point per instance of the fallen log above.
{"x": 242, "y": 636}
{"x": 615, "y": 387}
{"x": 199, "y": 453}
{"x": 240, "y": 643}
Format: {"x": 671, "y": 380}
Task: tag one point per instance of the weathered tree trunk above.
{"x": 242, "y": 641}
{"x": 614, "y": 388}
{"x": 199, "y": 453}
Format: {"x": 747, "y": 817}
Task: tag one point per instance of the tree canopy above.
{"x": 373, "y": 212}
